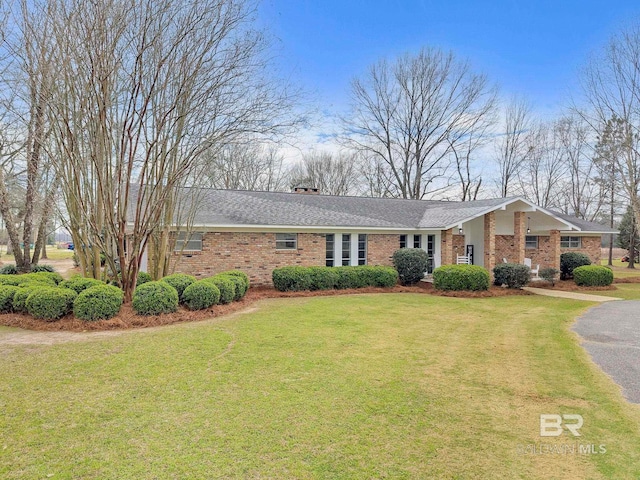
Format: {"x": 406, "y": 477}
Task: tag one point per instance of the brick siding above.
{"x": 380, "y": 248}
{"x": 591, "y": 246}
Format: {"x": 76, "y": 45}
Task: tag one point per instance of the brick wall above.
{"x": 591, "y": 246}
{"x": 253, "y": 253}
{"x": 380, "y": 248}
{"x": 506, "y": 248}
{"x": 458, "y": 248}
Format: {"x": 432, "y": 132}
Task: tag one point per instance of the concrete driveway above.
{"x": 611, "y": 334}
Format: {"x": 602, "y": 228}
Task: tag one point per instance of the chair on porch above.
{"x": 534, "y": 271}
{"x": 504, "y": 260}
{"x": 463, "y": 260}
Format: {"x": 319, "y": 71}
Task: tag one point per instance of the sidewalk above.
{"x": 572, "y": 295}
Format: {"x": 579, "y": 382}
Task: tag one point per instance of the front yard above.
{"x": 368, "y": 386}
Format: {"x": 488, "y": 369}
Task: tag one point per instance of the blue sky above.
{"x": 530, "y": 48}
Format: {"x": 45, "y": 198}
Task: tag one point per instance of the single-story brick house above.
{"x": 259, "y": 231}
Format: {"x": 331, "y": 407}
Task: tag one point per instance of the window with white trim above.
{"x": 403, "y": 241}
{"x": 286, "y": 241}
{"x": 346, "y": 249}
{"x": 417, "y": 241}
{"x": 531, "y": 242}
{"x": 330, "y": 249}
{"x": 189, "y": 242}
{"x": 571, "y": 242}
{"x": 362, "y": 249}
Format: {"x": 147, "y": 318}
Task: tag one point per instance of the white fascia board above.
{"x": 309, "y": 229}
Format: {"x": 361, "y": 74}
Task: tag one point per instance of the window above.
{"x": 570, "y": 242}
{"x": 286, "y": 241}
{"x": 403, "y": 241}
{"x": 417, "y": 241}
{"x": 331, "y": 241}
{"x": 362, "y": 249}
{"x": 189, "y": 241}
{"x": 346, "y": 249}
{"x": 531, "y": 241}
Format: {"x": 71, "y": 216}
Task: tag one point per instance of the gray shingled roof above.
{"x": 583, "y": 225}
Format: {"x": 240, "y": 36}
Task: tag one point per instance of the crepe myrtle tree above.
{"x": 143, "y": 89}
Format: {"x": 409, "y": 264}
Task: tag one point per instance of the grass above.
{"x": 620, "y": 269}
{"x": 53, "y": 253}
{"x": 371, "y": 386}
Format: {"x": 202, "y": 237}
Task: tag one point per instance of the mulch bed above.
{"x": 127, "y": 319}
{"x": 627, "y": 280}
{"x": 570, "y": 286}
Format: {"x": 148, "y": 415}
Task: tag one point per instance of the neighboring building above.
{"x": 259, "y": 231}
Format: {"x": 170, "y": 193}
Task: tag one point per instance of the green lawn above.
{"x": 373, "y": 386}
{"x": 53, "y": 253}
{"x": 620, "y": 269}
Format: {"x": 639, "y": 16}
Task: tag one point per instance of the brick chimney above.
{"x": 307, "y": 190}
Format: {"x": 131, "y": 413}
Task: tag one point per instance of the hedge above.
{"x": 200, "y": 295}
{"x": 239, "y": 285}
{"x": 460, "y": 277}
{"x": 154, "y": 298}
{"x": 411, "y": 263}
{"x": 143, "y": 277}
{"x": 79, "y": 283}
{"x": 7, "y": 292}
{"x": 570, "y": 261}
{"x": 98, "y": 302}
{"x": 16, "y": 280}
{"x": 50, "y": 303}
{"x": 322, "y": 278}
{"x": 42, "y": 268}
{"x": 513, "y": 275}
{"x": 21, "y": 295}
{"x": 593, "y": 276}
{"x": 179, "y": 281}
{"x": 226, "y": 286}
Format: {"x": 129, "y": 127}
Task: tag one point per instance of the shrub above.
{"x": 241, "y": 274}
{"x": 225, "y": 285}
{"x": 549, "y": 275}
{"x": 238, "y": 285}
{"x": 179, "y": 281}
{"x": 21, "y": 295}
{"x": 513, "y": 275}
{"x": 411, "y": 263}
{"x": 7, "y": 292}
{"x": 350, "y": 277}
{"x": 291, "y": 279}
{"x": 46, "y": 276}
{"x": 571, "y": 260}
{"x": 380, "y": 276}
{"x": 460, "y": 277}
{"x": 154, "y": 298}
{"x": 17, "y": 280}
{"x": 42, "y": 268}
{"x": 79, "y": 283}
{"x": 200, "y": 295}
{"x": 143, "y": 277}
{"x": 322, "y": 278}
{"x": 98, "y": 302}
{"x": 9, "y": 270}
{"x": 50, "y": 303}
{"x": 593, "y": 276}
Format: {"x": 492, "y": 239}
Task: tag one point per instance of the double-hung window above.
{"x": 570, "y": 242}
{"x": 286, "y": 241}
{"x": 531, "y": 242}
{"x": 189, "y": 242}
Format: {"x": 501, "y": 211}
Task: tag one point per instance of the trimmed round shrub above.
{"x": 98, "y": 302}
{"x": 143, "y": 277}
{"x": 16, "y": 280}
{"x": 7, "y": 292}
{"x": 377, "y": 276}
{"x": 200, "y": 295}
{"x": 460, "y": 277}
{"x": 411, "y": 263}
{"x": 50, "y": 303}
{"x": 79, "y": 283}
{"x": 322, "y": 278}
{"x": 226, "y": 286}
{"x": 291, "y": 279}
{"x": 570, "y": 261}
{"x": 593, "y": 276}
{"x": 9, "y": 270}
{"x": 549, "y": 275}
{"x": 154, "y": 298}
{"x": 42, "y": 268}
{"x": 179, "y": 281}
{"x": 238, "y": 284}
{"x": 513, "y": 275}
{"x": 241, "y": 274}
{"x": 46, "y": 276}
{"x": 21, "y": 295}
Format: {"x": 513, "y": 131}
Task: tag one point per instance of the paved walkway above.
{"x": 611, "y": 334}
{"x": 572, "y": 295}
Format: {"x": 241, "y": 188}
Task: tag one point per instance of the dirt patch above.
{"x": 570, "y": 286}
{"x": 127, "y": 318}
{"x": 627, "y": 280}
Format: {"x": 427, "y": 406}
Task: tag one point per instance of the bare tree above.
{"x": 611, "y": 89}
{"x": 512, "y": 145}
{"x": 145, "y": 88}
{"x": 409, "y": 114}
{"x": 331, "y": 174}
